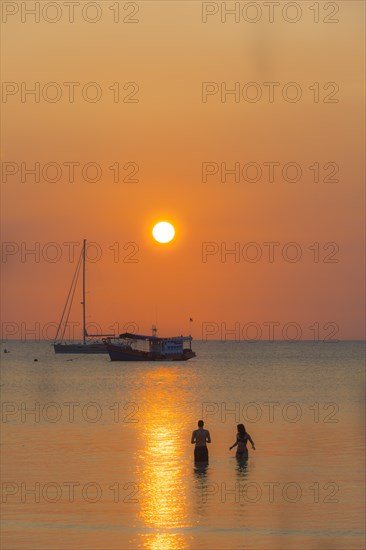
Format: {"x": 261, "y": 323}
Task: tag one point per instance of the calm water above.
{"x": 105, "y": 460}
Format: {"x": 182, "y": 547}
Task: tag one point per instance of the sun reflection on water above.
{"x": 162, "y": 467}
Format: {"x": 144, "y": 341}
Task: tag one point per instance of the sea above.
{"x": 97, "y": 455}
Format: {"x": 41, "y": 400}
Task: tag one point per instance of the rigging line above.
{"x": 71, "y": 300}
{"x": 66, "y": 312}
{"x": 68, "y": 296}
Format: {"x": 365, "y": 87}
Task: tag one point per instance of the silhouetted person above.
{"x": 242, "y": 438}
{"x": 200, "y": 437}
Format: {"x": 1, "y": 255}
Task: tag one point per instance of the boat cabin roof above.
{"x": 150, "y": 338}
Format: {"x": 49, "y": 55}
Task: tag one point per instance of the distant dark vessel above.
{"x": 138, "y": 347}
{"x": 88, "y": 345}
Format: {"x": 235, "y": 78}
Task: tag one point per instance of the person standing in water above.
{"x": 242, "y": 438}
{"x": 201, "y": 437}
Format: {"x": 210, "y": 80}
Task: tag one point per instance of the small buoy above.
{"x": 35, "y": 359}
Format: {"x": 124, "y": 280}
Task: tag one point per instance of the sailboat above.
{"x": 88, "y": 345}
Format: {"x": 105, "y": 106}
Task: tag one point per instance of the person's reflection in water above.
{"x": 201, "y": 488}
{"x": 241, "y": 467}
{"x": 200, "y": 471}
{"x": 242, "y": 484}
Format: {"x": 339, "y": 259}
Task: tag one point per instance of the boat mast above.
{"x": 83, "y": 302}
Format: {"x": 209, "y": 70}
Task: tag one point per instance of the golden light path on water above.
{"x": 161, "y": 466}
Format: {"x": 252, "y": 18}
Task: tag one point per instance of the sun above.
{"x": 163, "y": 232}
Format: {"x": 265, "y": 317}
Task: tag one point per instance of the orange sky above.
{"x": 169, "y": 133}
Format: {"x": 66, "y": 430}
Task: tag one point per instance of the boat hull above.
{"x": 80, "y": 348}
{"x": 118, "y": 353}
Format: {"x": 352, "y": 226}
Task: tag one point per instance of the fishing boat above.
{"x": 89, "y": 343}
{"x": 138, "y": 347}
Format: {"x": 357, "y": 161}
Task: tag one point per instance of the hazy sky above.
{"x": 167, "y": 128}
